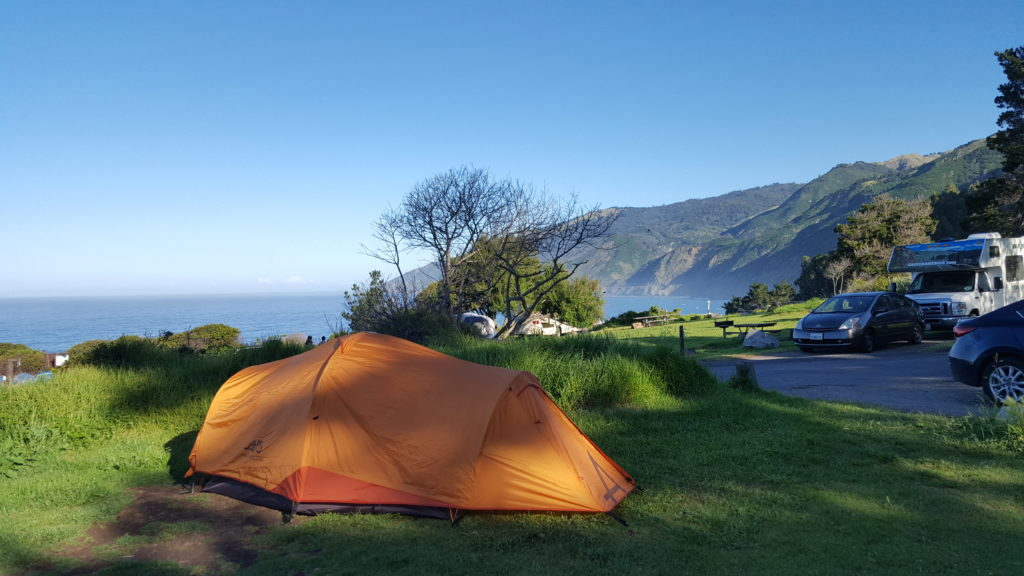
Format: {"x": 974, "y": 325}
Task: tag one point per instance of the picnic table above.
{"x": 730, "y": 327}
{"x": 652, "y": 320}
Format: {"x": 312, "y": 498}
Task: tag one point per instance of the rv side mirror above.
{"x": 892, "y": 286}
{"x": 998, "y": 283}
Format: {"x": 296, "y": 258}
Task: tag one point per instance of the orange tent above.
{"x": 372, "y": 423}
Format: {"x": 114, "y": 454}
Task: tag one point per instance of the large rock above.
{"x": 760, "y": 339}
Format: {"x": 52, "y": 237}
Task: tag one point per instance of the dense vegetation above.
{"x": 732, "y": 482}
{"x": 27, "y": 359}
{"x": 864, "y": 244}
{"x": 998, "y": 204}
{"x": 499, "y": 246}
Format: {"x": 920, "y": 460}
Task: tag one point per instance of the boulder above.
{"x": 760, "y": 339}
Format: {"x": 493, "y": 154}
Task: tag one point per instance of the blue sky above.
{"x": 227, "y": 147}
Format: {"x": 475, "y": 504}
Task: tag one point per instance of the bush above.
{"x": 415, "y": 325}
{"x": 206, "y": 338}
{"x": 126, "y": 351}
{"x": 82, "y": 352}
{"x": 32, "y": 361}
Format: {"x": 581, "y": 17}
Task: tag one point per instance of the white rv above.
{"x": 962, "y": 278}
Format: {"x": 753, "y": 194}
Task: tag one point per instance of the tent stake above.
{"x": 618, "y": 519}
{"x": 455, "y": 515}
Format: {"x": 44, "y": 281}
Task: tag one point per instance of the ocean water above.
{"x": 56, "y": 324}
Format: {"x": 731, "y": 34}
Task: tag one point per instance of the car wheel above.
{"x": 867, "y": 341}
{"x": 916, "y": 335}
{"x": 1003, "y": 379}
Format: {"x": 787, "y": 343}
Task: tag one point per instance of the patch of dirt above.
{"x": 204, "y": 533}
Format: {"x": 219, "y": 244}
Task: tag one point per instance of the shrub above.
{"x": 32, "y": 361}
{"x": 131, "y": 351}
{"x": 206, "y": 338}
{"x": 82, "y": 352}
{"x": 377, "y": 307}
{"x": 416, "y": 325}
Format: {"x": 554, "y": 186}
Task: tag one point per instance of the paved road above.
{"x": 901, "y": 377}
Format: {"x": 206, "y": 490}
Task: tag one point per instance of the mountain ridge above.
{"x": 717, "y": 246}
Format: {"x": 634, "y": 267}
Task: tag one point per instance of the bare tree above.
{"x": 836, "y": 272}
{"x": 385, "y": 231}
{"x": 552, "y": 230}
{"x": 487, "y": 234}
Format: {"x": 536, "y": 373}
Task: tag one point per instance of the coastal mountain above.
{"x": 716, "y": 247}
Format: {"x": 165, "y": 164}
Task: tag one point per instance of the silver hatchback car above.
{"x": 860, "y": 320}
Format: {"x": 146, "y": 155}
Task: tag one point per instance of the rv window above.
{"x": 942, "y": 282}
{"x": 1014, "y": 268}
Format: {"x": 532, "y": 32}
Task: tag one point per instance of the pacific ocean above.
{"x": 56, "y": 324}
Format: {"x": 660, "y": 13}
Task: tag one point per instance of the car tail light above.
{"x": 960, "y": 330}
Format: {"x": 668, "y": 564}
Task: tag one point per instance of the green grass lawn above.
{"x": 704, "y": 341}
{"x": 731, "y": 482}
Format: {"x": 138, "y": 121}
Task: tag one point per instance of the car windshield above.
{"x": 942, "y": 282}
{"x": 845, "y": 304}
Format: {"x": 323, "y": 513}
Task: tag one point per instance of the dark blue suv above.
{"x": 989, "y": 352}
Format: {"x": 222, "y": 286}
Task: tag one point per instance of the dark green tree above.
{"x": 577, "y": 302}
{"x": 782, "y": 293}
{"x": 949, "y": 210}
{"x": 812, "y": 282}
{"x": 869, "y": 235}
{"x": 758, "y": 297}
{"x": 378, "y": 306}
{"x": 1010, "y": 140}
{"x": 369, "y": 305}
{"x": 735, "y": 305}
{"x": 997, "y": 204}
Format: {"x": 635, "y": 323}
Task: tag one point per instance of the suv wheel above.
{"x": 1003, "y": 379}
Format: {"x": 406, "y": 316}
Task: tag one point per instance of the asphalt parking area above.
{"x": 899, "y": 376}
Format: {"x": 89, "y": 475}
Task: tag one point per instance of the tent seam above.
{"x": 310, "y": 430}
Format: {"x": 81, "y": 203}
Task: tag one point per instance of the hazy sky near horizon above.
{"x": 228, "y": 147}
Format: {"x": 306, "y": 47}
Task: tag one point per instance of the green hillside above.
{"x": 716, "y": 247}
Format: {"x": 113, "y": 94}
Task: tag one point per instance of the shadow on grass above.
{"x": 178, "y": 450}
{"x": 768, "y": 474}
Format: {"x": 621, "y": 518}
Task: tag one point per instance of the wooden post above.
{"x": 682, "y": 340}
{"x": 12, "y": 365}
{"x": 746, "y": 378}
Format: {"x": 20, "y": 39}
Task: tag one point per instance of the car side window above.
{"x": 886, "y": 303}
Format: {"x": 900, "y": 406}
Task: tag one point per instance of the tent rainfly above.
{"x": 372, "y": 423}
